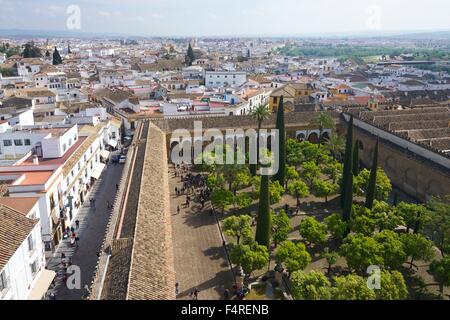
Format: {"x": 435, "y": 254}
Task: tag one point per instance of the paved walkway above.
{"x": 93, "y": 223}
{"x": 200, "y": 259}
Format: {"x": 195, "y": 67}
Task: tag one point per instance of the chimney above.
{"x": 35, "y": 160}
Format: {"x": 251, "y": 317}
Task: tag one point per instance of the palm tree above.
{"x": 259, "y": 114}
{"x": 335, "y": 144}
{"x": 323, "y": 121}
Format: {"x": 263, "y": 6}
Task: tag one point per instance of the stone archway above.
{"x": 325, "y": 136}
{"x": 313, "y": 138}
{"x": 301, "y": 137}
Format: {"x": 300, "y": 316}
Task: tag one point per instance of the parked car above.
{"x": 122, "y": 159}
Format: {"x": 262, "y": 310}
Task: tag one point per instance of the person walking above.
{"x": 178, "y": 209}
{"x": 177, "y": 288}
{"x": 196, "y": 292}
{"x": 77, "y": 224}
{"x": 108, "y": 204}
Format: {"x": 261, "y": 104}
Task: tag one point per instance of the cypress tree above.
{"x": 356, "y": 158}
{"x": 281, "y": 174}
{"x": 56, "y": 57}
{"x": 348, "y": 200}
{"x": 263, "y": 223}
{"x": 370, "y": 196}
{"x": 395, "y": 202}
{"x": 190, "y": 57}
{"x": 347, "y": 173}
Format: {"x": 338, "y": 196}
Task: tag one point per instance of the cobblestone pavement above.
{"x": 200, "y": 259}
{"x": 93, "y": 224}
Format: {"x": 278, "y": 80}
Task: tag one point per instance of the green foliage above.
{"x": 264, "y": 224}
{"x": 221, "y": 198}
{"x": 280, "y": 175}
{"x": 331, "y": 257}
{"x": 324, "y": 189}
{"x": 276, "y": 191}
{"x": 393, "y": 286}
{"x": 7, "y": 72}
{"x": 334, "y": 170}
{"x": 347, "y": 175}
{"x": 293, "y": 256}
{"x": 293, "y": 152}
{"x": 414, "y": 215}
{"x": 392, "y": 250}
{"x": 383, "y": 185}
{"x": 298, "y": 189}
{"x": 239, "y": 227}
{"x": 441, "y": 273}
{"x": 361, "y": 252}
{"x": 362, "y": 221}
{"x": 352, "y": 287}
{"x": 336, "y": 226}
{"x": 216, "y": 181}
{"x": 309, "y": 172}
{"x": 313, "y": 231}
{"x": 324, "y": 121}
{"x": 190, "y": 55}
{"x": 439, "y": 222}
{"x": 416, "y": 246}
{"x": 241, "y": 180}
{"x": 371, "y": 187}
{"x": 31, "y": 51}
{"x": 281, "y": 227}
{"x": 56, "y": 57}
{"x": 310, "y": 286}
{"x": 291, "y": 174}
{"x": 250, "y": 257}
{"x": 386, "y": 216}
{"x": 243, "y": 200}
{"x": 335, "y": 145}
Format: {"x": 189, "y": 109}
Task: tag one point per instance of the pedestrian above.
{"x": 196, "y": 294}
{"x": 211, "y": 212}
{"x": 178, "y": 209}
{"x": 90, "y": 202}
{"x": 77, "y": 224}
{"x": 107, "y": 204}
{"x": 117, "y": 187}
{"x": 72, "y": 229}
{"x": 176, "y": 190}
{"x": 76, "y": 241}
{"x": 177, "y": 288}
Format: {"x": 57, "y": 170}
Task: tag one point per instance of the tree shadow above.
{"x": 221, "y": 281}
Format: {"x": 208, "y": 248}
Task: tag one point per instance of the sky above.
{"x": 225, "y": 17}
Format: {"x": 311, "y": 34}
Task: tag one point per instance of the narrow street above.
{"x": 93, "y": 224}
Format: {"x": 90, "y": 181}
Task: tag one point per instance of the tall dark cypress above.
{"x": 263, "y": 224}
{"x": 347, "y": 173}
{"x": 281, "y": 174}
{"x": 348, "y": 200}
{"x": 370, "y": 196}
{"x": 356, "y": 158}
{"x": 56, "y": 57}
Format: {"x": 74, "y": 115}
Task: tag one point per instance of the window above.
{"x": 64, "y": 147}
{"x": 7, "y": 143}
{"x": 48, "y": 245}
{"x": 27, "y": 142}
{"x": 30, "y": 243}
{"x": 34, "y": 267}
{"x": 18, "y": 142}
{"x": 75, "y": 137}
{"x": 4, "y": 281}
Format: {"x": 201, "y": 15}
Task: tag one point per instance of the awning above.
{"x": 104, "y": 154}
{"x": 43, "y": 281}
{"x": 98, "y": 171}
{"x": 113, "y": 143}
